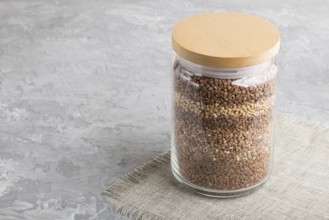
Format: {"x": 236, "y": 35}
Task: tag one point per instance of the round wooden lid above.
{"x": 228, "y": 40}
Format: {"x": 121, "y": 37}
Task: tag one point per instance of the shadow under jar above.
{"x": 223, "y": 100}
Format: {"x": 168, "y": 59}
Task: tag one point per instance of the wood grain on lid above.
{"x": 229, "y": 40}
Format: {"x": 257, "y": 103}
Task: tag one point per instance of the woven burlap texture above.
{"x": 297, "y": 189}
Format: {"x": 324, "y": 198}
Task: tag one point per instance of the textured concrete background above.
{"x": 85, "y": 92}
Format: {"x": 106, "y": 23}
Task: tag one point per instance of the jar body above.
{"x": 222, "y": 123}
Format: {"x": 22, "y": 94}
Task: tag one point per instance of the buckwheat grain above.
{"x": 222, "y": 131}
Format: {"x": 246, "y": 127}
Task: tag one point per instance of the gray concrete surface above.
{"x": 85, "y": 92}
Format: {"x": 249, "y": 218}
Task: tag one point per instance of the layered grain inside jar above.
{"x": 222, "y": 131}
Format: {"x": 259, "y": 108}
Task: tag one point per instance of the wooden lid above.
{"x": 228, "y": 40}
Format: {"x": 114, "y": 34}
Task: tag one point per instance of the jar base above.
{"x": 216, "y": 193}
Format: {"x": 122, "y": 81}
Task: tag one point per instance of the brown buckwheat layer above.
{"x": 222, "y": 131}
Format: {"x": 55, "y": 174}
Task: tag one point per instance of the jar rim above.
{"x": 225, "y": 73}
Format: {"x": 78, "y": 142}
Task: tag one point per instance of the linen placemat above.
{"x": 298, "y": 187}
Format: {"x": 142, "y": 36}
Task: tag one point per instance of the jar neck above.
{"x": 225, "y": 73}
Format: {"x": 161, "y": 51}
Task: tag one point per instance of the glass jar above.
{"x": 223, "y": 103}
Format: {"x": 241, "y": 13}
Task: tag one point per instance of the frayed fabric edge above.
{"x": 133, "y": 212}
{"x": 291, "y": 118}
{"x": 131, "y": 179}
